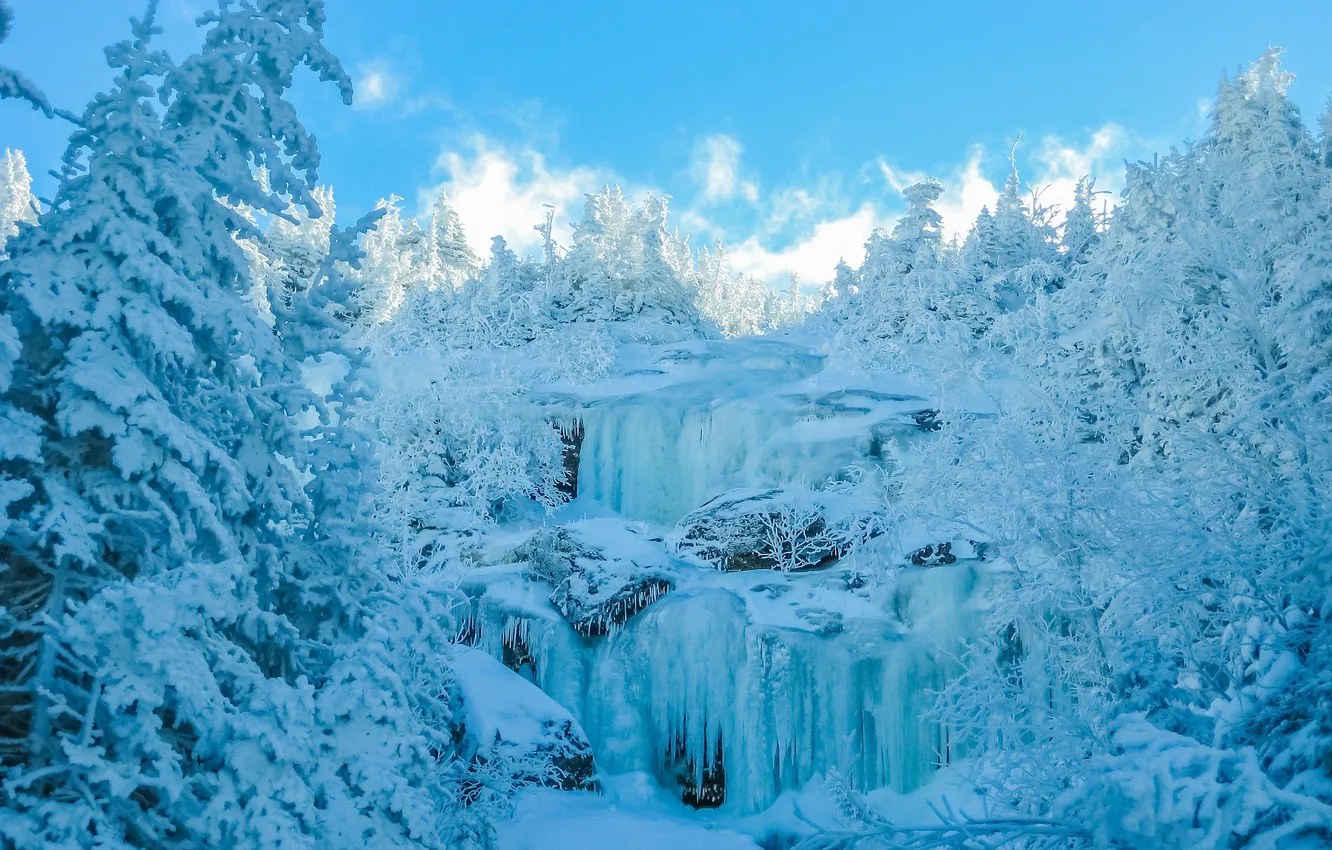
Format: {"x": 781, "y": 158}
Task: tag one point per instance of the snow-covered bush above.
{"x": 17, "y": 204}
{"x": 457, "y": 452}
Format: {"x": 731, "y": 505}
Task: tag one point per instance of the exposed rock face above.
{"x": 940, "y": 544}
{"x": 772, "y": 530}
{"x": 513, "y": 729}
{"x": 702, "y": 786}
{"x": 597, "y": 591}
{"x": 943, "y": 554}
{"x": 571, "y": 437}
{"x": 933, "y": 555}
{"x": 927, "y": 420}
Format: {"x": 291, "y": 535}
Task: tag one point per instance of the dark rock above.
{"x": 571, "y": 436}
{"x": 826, "y": 623}
{"x": 927, "y": 420}
{"x": 770, "y": 530}
{"x": 935, "y": 555}
{"x": 597, "y": 592}
{"x": 593, "y": 606}
{"x": 700, "y": 787}
{"x": 516, "y": 653}
{"x": 943, "y": 554}
{"x": 855, "y": 581}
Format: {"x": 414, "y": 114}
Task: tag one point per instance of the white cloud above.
{"x": 715, "y": 168}
{"x": 966, "y": 192}
{"x": 379, "y": 87}
{"x": 815, "y": 256}
{"x": 1062, "y": 165}
{"x": 375, "y": 86}
{"x": 503, "y": 192}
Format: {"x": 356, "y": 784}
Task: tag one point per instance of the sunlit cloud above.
{"x": 802, "y": 229}
{"x": 375, "y": 86}
{"x": 715, "y": 169}
{"x": 813, "y": 256}
{"x": 502, "y": 191}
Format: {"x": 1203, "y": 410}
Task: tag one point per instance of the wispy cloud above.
{"x": 1059, "y": 164}
{"x": 1063, "y": 164}
{"x": 966, "y": 191}
{"x": 813, "y": 256}
{"x": 715, "y": 169}
{"x": 503, "y": 191}
{"x": 380, "y": 87}
{"x": 376, "y": 85}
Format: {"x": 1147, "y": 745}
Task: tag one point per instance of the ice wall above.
{"x": 745, "y": 414}
{"x": 698, "y": 668}
{"x": 655, "y": 459}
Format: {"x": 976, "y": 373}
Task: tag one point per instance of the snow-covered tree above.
{"x": 1012, "y": 253}
{"x": 178, "y": 602}
{"x": 739, "y": 305}
{"x": 396, "y": 263}
{"x": 1159, "y": 493}
{"x": 14, "y": 85}
{"x": 451, "y": 259}
{"x": 17, "y": 204}
{"x": 910, "y": 292}
{"x": 1082, "y": 225}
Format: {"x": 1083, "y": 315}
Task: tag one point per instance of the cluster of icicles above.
{"x": 692, "y": 692}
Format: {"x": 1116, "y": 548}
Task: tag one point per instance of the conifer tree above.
{"x": 451, "y": 259}
{"x": 1081, "y": 230}
{"x": 17, "y": 204}
{"x": 174, "y": 607}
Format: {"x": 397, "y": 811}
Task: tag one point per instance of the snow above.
{"x": 791, "y": 675}
{"x": 232, "y": 595}
{"x": 634, "y": 811}
{"x": 796, "y": 673}
{"x": 501, "y": 704}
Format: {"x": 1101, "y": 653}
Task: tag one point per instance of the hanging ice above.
{"x": 756, "y": 681}
{"x": 749, "y": 415}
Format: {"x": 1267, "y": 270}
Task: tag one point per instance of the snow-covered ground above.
{"x": 634, "y": 811}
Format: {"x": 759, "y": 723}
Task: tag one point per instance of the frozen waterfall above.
{"x": 734, "y": 687}
{"x": 720, "y": 684}
{"x": 746, "y": 415}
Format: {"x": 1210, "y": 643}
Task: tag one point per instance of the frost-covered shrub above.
{"x": 579, "y": 353}
{"x": 457, "y": 452}
{"x": 1157, "y": 493}
{"x": 603, "y": 572}
{"x": 776, "y": 529}
{"x": 1155, "y": 788}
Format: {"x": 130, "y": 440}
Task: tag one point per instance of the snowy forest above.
{"x": 320, "y": 530}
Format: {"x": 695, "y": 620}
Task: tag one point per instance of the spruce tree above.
{"x": 176, "y": 598}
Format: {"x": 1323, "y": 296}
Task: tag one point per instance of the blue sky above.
{"x": 785, "y": 129}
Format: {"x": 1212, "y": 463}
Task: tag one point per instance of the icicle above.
{"x": 691, "y": 675}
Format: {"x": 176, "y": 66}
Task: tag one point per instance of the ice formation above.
{"x": 732, "y": 687}
{"x": 711, "y": 417}
{"x": 785, "y": 675}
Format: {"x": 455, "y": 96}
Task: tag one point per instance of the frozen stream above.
{"x": 736, "y": 687}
